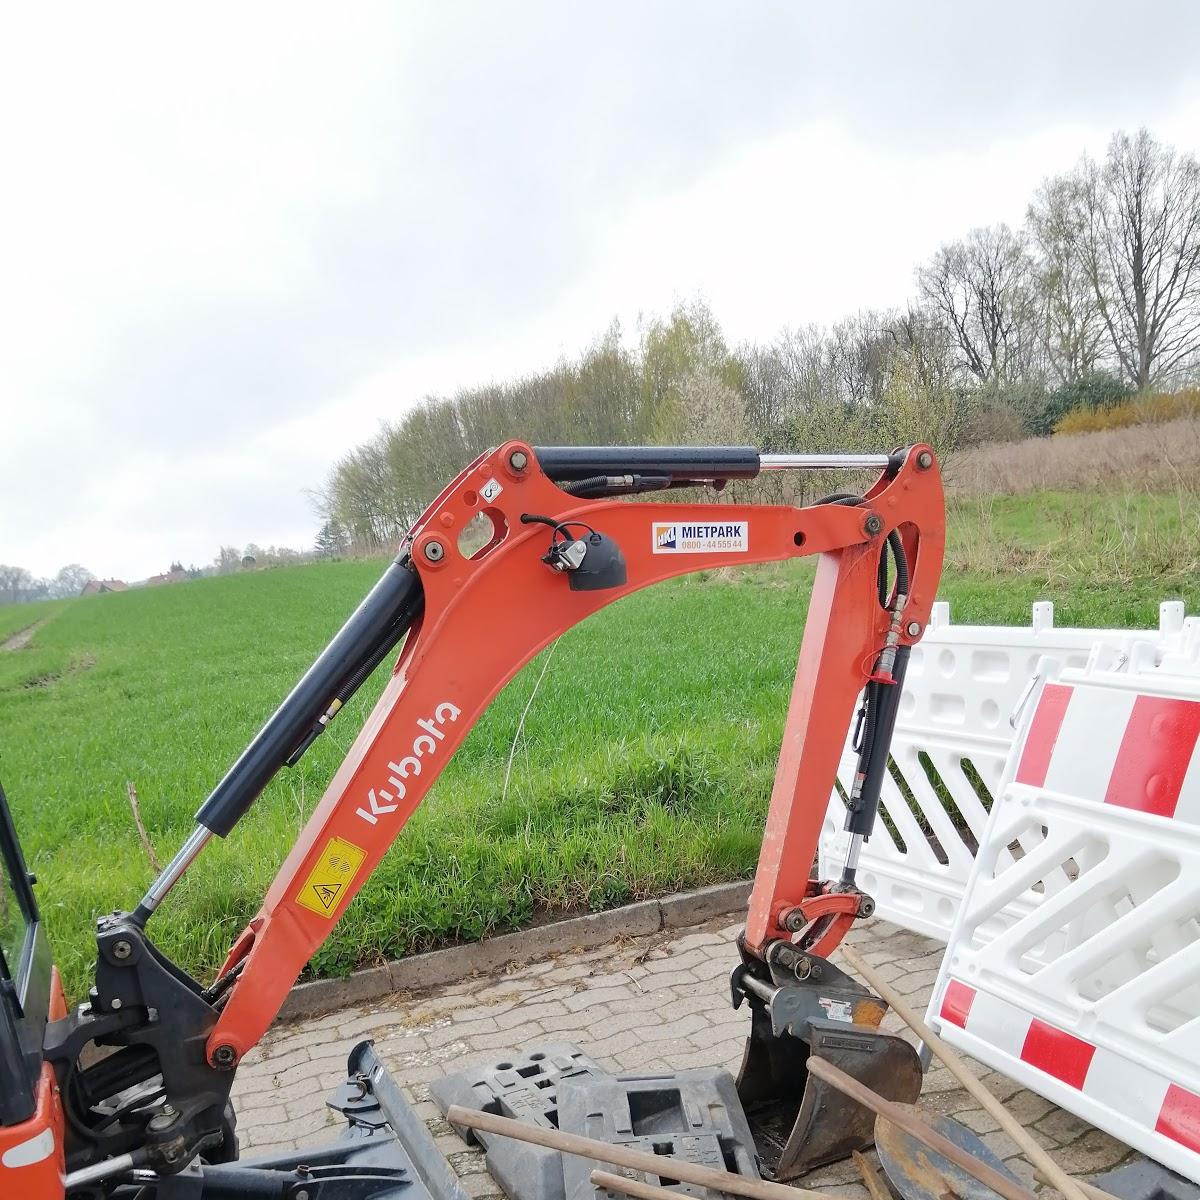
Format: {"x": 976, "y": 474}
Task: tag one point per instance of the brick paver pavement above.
{"x": 654, "y": 1003}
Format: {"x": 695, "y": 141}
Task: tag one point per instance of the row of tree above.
{"x": 1105, "y": 276}
{"x": 18, "y": 585}
{"x": 230, "y": 559}
{"x": 1095, "y": 298}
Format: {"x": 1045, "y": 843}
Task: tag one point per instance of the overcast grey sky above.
{"x": 233, "y": 238}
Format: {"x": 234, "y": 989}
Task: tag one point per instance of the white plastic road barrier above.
{"x": 952, "y": 738}
{"x": 1092, "y": 996}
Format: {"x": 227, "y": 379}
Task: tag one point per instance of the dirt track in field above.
{"x": 22, "y": 638}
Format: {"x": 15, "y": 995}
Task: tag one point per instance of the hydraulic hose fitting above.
{"x": 887, "y": 657}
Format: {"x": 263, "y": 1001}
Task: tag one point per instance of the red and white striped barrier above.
{"x": 1091, "y": 996}
{"x": 1135, "y": 1095}
{"x": 952, "y": 739}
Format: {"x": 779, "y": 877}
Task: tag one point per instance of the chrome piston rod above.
{"x": 170, "y": 874}
{"x": 824, "y": 462}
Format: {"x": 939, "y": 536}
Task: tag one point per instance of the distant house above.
{"x": 175, "y": 575}
{"x": 96, "y": 587}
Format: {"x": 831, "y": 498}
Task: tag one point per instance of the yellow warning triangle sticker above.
{"x": 331, "y": 877}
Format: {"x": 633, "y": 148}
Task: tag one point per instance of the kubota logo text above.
{"x": 384, "y": 800}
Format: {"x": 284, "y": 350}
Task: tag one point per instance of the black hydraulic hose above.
{"x": 373, "y": 628}
{"x": 582, "y": 487}
{"x": 894, "y": 542}
{"x": 902, "y": 577}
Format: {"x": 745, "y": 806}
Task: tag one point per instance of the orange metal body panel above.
{"x": 31, "y": 1154}
{"x": 486, "y": 616}
{"x": 58, "y": 998}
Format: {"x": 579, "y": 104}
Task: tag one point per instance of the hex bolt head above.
{"x": 873, "y": 524}
{"x": 224, "y": 1057}
{"x": 164, "y": 1119}
{"x": 116, "y": 1003}
{"x": 924, "y": 460}
{"x": 518, "y": 460}
{"x": 435, "y": 551}
{"x": 122, "y": 949}
{"x": 913, "y": 628}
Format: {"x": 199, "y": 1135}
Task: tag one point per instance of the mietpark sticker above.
{"x": 330, "y": 877}
{"x": 684, "y": 538}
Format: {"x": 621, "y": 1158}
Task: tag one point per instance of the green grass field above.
{"x": 645, "y": 764}
{"x": 15, "y": 617}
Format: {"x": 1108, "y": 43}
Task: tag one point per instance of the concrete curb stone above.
{"x": 440, "y": 967}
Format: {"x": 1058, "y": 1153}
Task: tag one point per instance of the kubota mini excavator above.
{"x": 128, "y": 1094}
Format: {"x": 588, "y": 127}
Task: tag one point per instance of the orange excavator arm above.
{"x": 487, "y": 614}
{"x": 564, "y": 542}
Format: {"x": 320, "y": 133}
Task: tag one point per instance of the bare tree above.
{"x": 1142, "y": 212}
{"x": 923, "y": 338}
{"x": 15, "y": 583}
{"x": 1072, "y": 327}
{"x": 860, "y": 349}
{"x": 70, "y": 580}
{"x": 982, "y": 288}
{"x": 228, "y": 560}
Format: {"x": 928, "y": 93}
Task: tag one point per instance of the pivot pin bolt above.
{"x": 913, "y": 628}
{"x": 924, "y": 460}
{"x": 435, "y": 551}
{"x": 224, "y": 1056}
{"x": 873, "y": 524}
{"x": 518, "y": 460}
{"x": 122, "y": 949}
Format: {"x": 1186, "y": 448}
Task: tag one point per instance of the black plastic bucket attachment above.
{"x": 800, "y": 1122}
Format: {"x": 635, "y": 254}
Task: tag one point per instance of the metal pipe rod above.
{"x": 120, "y": 1165}
{"x": 763, "y": 990}
{"x": 1037, "y": 1157}
{"x": 824, "y": 462}
{"x": 870, "y": 1177}
{"x": 635, "y": 1160}
{"x": 607, "y": 1181}
{"x": 914, "y": 1126}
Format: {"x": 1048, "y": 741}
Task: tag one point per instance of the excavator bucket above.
{"x": 798, "y": 1121}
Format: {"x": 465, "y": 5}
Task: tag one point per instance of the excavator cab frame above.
{"x": 142, "y": 1071}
